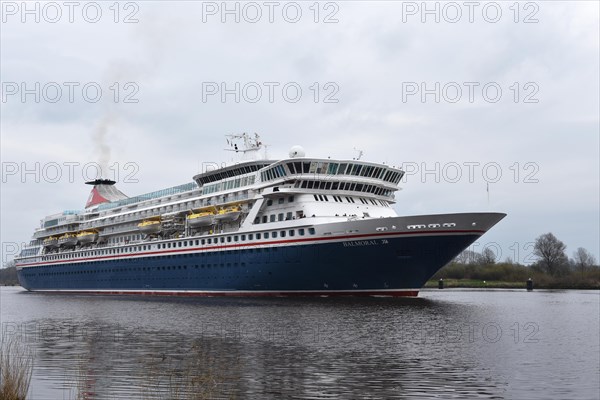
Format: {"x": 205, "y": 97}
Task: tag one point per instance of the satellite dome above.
{"x": 296, "y": 151}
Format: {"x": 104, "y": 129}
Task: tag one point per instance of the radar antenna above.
{"x": 248, "y": 145}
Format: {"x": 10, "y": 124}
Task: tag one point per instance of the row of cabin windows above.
{"x": 187, "y": 243}
{"x": 332, "y": 168}
{"x": 280, "y": 200}
{"x": 228, "y": 185}
{"x": 243, "y": 237}
{"x": 338, "y": 199}
{"x": 288, "y": 216}
{"x": 348, "y": 186}
{"x": 91, "y": 253}
{"x": 125, "y": 239}
{"x": 217, "y": 176}
{"x": 116, "y": 270}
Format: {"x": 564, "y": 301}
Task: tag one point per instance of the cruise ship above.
{"x": 298, "y": 226}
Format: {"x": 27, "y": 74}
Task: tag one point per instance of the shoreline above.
{"x": 477, "y": 284}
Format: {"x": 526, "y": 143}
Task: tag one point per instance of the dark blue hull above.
{"x": 397, "y": 265}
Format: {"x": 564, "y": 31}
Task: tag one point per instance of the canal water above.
{"x": 497, "y": 344}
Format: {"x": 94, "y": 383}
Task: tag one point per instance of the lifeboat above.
{"x": 86, "y": 237}
{"x": 228, "y": 214}
{"x": 68, "y": 240}
{"x": 150, "y": 226}
{"x": 51, "y": 242}
{"x": 200, "y": 219}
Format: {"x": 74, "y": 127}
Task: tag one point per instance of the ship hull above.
{"x": 392, "y": 266}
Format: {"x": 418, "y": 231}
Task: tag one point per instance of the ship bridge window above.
{"x": 264, "y": 219}
{"x": 280, "y": 217}
{"x": 281, "y": 200}
{"x": 291, "y": 199}
{"x": 272, "y": 218}
{"x": 269, "y": 202}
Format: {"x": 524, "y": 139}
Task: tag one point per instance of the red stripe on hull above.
{"x": 366, "y": 293}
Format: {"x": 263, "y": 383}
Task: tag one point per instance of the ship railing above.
{"x": 54, "y": 232}
{"x": 178, "y": 209}
{"x": 111, "y": 231}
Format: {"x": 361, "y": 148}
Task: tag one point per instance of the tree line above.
{"x": 552, "y": 268}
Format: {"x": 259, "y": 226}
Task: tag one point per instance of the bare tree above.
{"x": 467, "y": 257}
{"x": 583, "y": 259}
{"x": 551, "y": 254}
{"x": 488, "y": 256}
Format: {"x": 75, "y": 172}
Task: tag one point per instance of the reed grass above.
{"x": 16, "y": 367}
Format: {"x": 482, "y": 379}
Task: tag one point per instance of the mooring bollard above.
{"x": 441, "y": 284}
{"x": 529, "y": 285}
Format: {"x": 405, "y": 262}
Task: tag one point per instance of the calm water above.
{"x": 445, "y": 344}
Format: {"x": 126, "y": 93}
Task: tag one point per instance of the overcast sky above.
{"x": 500, "y": 103}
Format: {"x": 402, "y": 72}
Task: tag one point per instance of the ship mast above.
{"x": 249, "y": 146}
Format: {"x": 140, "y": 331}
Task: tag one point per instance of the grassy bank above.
{"x": 471, "y": 283}
{"x": 507, "y": 275}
